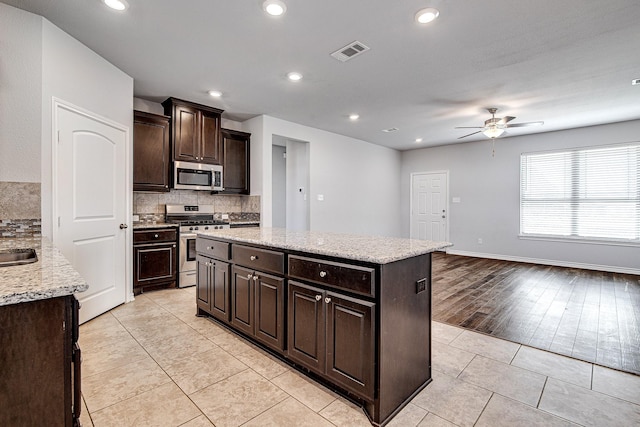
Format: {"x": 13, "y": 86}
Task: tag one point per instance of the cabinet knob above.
{"x": 323, "y": 274}
{"x": 253, "y": 257}
{"x": 318, "y": 297}
{"x": 209, "y": 248}
{"x": 327, "y": 300}
{"x": 249, "y": 276}
{"x": 155, "y": 236}
{"x": 255, "y": 278}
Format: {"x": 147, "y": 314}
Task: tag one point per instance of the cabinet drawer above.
{"x": 343, "y": 276}
{"x": 259, "y": 259}
{"x": 213, "y": 248}
{"x": 146, "y": 236}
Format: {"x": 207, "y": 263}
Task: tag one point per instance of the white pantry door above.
{"x": 90, "y": 203}
{"x": 429, "y": 206}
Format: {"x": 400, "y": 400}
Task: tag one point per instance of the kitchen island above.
{"x": 351, "y": 311}
{"x": 39, "y": 354}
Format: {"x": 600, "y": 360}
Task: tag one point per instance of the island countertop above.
{"x": 374, "y": 249}
{"x": 51, "y": 276}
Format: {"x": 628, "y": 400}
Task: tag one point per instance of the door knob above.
{"x": 123, "y": 226}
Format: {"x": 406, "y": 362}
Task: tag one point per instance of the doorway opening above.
{"x": 290, "y": 183}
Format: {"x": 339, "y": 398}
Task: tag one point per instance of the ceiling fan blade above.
{"x": 505, "y": 119}
{"x": 469, "y": 127}
{"x": 520, "y": 125}
{"x": 470, "y": 134}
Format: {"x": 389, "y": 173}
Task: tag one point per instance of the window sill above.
{"x": 582, "y": 240}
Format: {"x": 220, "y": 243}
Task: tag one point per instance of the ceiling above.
{"x": 568, "y": 63}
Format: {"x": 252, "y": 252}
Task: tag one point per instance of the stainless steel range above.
{"x": 192, "y": 218}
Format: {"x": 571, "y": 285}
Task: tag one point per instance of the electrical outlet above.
{"x": 479, "y": 240}
{"x": 421, "y": 285}
{"x": 320, "y": 197}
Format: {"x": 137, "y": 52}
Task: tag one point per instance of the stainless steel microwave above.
{"x": 197, "y": 176}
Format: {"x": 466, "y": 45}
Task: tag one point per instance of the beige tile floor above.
{"x": 153, "y": 363}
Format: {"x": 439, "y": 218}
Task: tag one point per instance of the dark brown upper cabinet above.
{"x": 235, "y": 149}
{"x": 195, "y": 131}
{"x": 151, "y": 155}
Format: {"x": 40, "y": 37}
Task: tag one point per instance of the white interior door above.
{"x": 90, "y": 203}
{"x": 429, "y": 216}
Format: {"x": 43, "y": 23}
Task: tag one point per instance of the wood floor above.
{"x": 588, "y": 315}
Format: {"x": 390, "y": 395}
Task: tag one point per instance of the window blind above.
{"x": 590, "y": 193}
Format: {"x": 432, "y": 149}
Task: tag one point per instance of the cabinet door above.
{"x": 242, "y": 309}
{"x": 210, "y": 151}
{"x": 151, "y": 156}
{"x": 350, "y": 343}
{"x": 203, "y": 283}
{"x": 220, "y": 290}
{"x": 154, "y": 263}
{"x": 306, "y": 326}
{"x": 235, "y": 147}
{"x": 269, "y": 305}
{"x": 186, "y": 135}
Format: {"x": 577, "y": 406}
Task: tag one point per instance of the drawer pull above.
{"x": 253, "y": 257}
{"x": 327, "y": 300}
{"x": 323, "y": 274}
{"x": 318, "y": 297}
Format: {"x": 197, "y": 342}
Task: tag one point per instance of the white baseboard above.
{"x": 609, "y": 268}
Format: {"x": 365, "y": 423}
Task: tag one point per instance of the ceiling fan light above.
{"x": 493, "y": 132}
{"x": 424, "y": 16}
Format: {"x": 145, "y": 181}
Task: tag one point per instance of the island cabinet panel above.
{"x": 350, "y": 343}
{"x": 40, "y": 363}
{"x": 306, "y": 335}
{"x": 212, "y": 287}
{"x": 257, "y": 258}
{"x": 337, "y": 275}
{"x": 269, "y": 310}
{"x": 333, "y": 335}
{"x": 242, "y": 300}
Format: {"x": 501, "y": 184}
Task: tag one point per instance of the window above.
{"x": 589, "y": 194}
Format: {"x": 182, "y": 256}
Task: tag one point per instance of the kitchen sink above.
{"x": 10, "y": 257}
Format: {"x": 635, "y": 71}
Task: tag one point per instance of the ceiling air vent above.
{"x": 350, "y": 51}
{"x": 390, "y": 130}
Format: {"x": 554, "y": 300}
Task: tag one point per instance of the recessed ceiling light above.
{"x": 215, "y": 93}
{"x": 117, "y": 4}
{"x": 354, "y": 117}
{"x": 274, "y": 7}
{"x": 424, "y": 16}
{"x": 294, "y": 76}
{"x": 418, "y": 140}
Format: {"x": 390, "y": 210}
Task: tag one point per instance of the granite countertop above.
{"x": 51, "y": 276}
{"x": 374, "y": 249}
{"x": 145, "y": 225}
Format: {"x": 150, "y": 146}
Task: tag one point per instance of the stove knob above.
{"x": 190, "y": 228}
{"x": 206, "y": 228}
{"x": 195, "y": 228}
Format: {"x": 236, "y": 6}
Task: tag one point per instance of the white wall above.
{"x": 489, "y": 189}
{"x": 75, "y": 74}
{"x": 359, "y": 180}
{"x": 20, "y": 92}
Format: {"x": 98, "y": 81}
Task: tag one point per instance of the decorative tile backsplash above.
{"x": 20, "y": 214}
{"x": 151, "y": 206}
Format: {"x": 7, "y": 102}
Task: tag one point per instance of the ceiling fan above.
{"x": 495, "y": 126}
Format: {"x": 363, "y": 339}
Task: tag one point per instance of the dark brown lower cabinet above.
{"x": 257, "y": 306}
{"x": 40, "y": 363}
{"x": 212, "y": 288}
{"x": 333, "y": 335}
{"x": 154, "y": 259}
